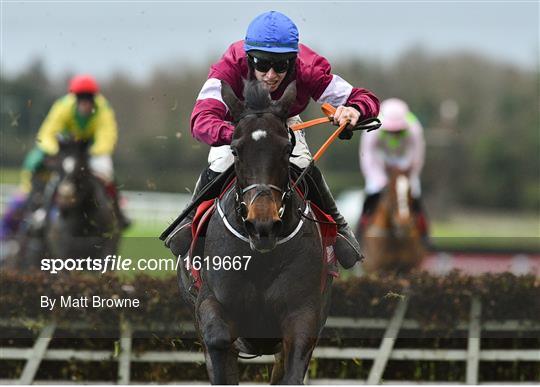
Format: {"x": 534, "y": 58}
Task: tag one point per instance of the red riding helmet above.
{"x": 83, "y": 84}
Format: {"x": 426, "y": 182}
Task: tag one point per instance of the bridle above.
{"x": 261, "y": 189}
{"x": 368, "y": 124}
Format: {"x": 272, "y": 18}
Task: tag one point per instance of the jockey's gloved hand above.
{"x": 345, "y": 114}
{"x": 346, "y": 134}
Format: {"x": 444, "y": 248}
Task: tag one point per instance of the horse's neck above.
{"x": 395, "y": 203}
{"x": 402, "y": 189}
{"x": 381, "y": 215}
{"x": 93, "y": 199}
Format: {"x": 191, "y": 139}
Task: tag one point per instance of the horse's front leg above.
{"x": 300, "y": 335}
{"x": 231, "y": 367}
{"x": 217, "y": 336}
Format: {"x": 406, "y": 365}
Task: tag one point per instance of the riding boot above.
{"x": 180, "y": 239}
{"x": 422, "y": 223}
{"x": 347, "y": 248}
{"x": 112, "y": 191}
{"x": 370, "y": 203}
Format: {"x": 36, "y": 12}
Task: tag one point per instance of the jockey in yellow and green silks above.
{"x": 82, "y": 114}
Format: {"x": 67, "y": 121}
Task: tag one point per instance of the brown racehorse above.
{"x": 391, "y": 240}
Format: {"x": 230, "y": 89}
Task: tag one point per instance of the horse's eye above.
{"x": 234, "y": 152}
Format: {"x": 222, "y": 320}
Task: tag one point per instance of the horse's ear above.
{"x": 287, "y": 99}
{"x": 236, "y": 107}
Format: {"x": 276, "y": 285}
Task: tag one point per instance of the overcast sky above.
{"x": 133, "y": 37}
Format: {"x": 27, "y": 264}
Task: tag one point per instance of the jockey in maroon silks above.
{"x": 272, "y": 54}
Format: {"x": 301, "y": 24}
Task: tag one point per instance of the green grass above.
{"x": 485, "y": 224}
{"x": 141, "y": 241}
{"x": 473, "y": 229}
{"x": 461, "y": 230}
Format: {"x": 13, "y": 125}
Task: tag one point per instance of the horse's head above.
{"x": 261, "y": 148}
{"x": 399, "y": 187}
{"x": 73, "y": 169}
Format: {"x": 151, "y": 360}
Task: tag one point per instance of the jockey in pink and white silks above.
{"x": 271, "y": 53}
{"x": 400, "y": 143}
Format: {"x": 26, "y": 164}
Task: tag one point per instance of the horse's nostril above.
{"x": 262, "y": 229}
{"x": 276, "y": 227}
{"x": 250, "y": 227}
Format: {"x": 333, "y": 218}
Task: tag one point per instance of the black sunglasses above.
{"x": 264, "y": 65}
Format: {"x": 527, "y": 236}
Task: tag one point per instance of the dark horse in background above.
{"x": 278, "y": 304}
{"x": 77, "y": 213}
{"x": 391, "y": 241}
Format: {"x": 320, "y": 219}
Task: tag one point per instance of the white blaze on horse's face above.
{"x": 68, "y": 164}
{"x": 258, "y": 134}
{"x": 402, "y": 188}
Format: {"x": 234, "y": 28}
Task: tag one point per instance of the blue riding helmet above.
{"x": 272, "y": 32}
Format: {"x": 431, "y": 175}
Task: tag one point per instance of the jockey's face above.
{"x": 271, "y": 79}
{"x": 85, "y": 107}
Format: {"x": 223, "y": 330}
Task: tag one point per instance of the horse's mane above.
{"x": 257, "y": 96}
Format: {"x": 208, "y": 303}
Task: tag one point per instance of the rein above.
{"x": 368, "y": 124}
{"x": 238, "y": 234}
{"x": 242, "y": 207}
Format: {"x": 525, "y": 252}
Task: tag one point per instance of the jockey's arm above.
{"x": 418, "y": 146}
{"x": 351, "y": 102}
{"x": 53, "y": 124}
{"x": 106, "y": 134}
{"x": 208, "y": 119}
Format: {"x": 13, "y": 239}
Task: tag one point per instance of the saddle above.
{"x": 210, "y": 192}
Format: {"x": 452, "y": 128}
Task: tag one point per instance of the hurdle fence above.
{"x": 473, "y": 355}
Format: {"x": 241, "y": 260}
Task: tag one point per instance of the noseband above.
{"x": 242, "y": 207}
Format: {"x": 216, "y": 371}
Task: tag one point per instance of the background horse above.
{"x": 279, "y": 302}
{"x": 68, "y": 213}
{"x": 26, "y": 247}
{"x": 81, "y": 221}
{"x": 391, "y": 240}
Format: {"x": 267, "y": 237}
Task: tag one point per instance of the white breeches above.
{"x": 102, "y": 166}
